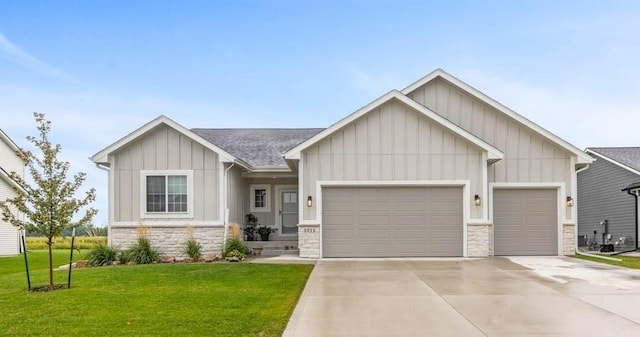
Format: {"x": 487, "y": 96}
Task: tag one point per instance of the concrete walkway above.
{"x": 467, "y": 297}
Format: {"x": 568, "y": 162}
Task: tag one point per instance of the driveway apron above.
{"x": 465, "y": 297}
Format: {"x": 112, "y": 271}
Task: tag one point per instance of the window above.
{"x": 166, "y": 193}
{"x": 260, "y": 196}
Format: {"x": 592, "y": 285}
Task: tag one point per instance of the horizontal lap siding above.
{"x": 600, "y": 197}
{"x": 392, "y": 143}
{"x": 165, "y": 149}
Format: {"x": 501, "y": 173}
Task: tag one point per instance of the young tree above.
{"x": 50, "y": 204}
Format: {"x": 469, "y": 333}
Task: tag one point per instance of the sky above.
{"x": 100, "y": 69}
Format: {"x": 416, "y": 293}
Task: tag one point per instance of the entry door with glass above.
{"x": 289, "y": 212}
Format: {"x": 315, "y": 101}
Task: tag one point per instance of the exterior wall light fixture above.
{"x": 569, "y": 201}
{"x": 477, "y": 200}
{"x": 309, "y": 201}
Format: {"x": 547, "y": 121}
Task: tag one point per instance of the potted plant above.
{"x": 264, "y": 232}
{"x": 250, "y": 229}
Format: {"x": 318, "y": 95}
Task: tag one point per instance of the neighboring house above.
{"x": 603, "y": 200}
{"x": 437, "y": 169}
{"x": 9, "y": 162}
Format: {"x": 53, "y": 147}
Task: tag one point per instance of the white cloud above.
{"x": 18, "y": 55}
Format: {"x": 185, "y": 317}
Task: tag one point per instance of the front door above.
{"x": 288, "y": 212}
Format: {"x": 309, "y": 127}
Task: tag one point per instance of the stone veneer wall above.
{"x": 309, "y": 241}
{"x": 170, "y": 240}
{"x": 568, "y": 239}
{"x": 479, "y": 240}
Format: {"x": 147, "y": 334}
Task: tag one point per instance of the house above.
{"x": 9, "y": 162}
{"x": 437, "y": 169}
{"x": 606, "y": 206}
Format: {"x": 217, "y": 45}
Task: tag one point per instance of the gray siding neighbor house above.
{"x": 436, "y": 169}
{"x": 603, "y": 200}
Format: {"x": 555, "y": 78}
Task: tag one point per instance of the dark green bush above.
{"x": 102, "y": 255}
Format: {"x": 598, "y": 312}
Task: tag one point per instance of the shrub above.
{"x": 142, "y": 252}
{"x": 102, "y": 255}
{"x": 235, "y": 246}
{"x": 124, "y": 257}
{"x": 193, "y": 249}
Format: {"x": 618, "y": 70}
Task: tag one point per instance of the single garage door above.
{"x": 391, "y": 221}
{"x": 525, "y": 221}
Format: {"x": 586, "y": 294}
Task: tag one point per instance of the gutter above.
{"x": 636, "y": 213}
{"x": 225, "y": 210}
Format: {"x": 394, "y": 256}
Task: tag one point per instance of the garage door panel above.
{"x": 395, "y": 221}
{"x": 525, "y": 222}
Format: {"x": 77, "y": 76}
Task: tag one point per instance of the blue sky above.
{"x": 100, "y": 69}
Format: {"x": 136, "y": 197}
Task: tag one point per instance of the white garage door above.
{"x": 391, "y": 221}
{"x": 526, "y": 221}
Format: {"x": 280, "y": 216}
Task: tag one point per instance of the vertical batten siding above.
{"x": 600, "y": 197}
{"x": 10, "y": 162}
{"x": 237, "y": 195}
{"x": 392, "y": 143}
{"x": 165, "y": 149}
{"x": 528, "y": 157}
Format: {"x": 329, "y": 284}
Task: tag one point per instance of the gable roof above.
{"x": 4, "y": 175}
{"x": 583, "y": 158}
{"x": 493, "y": 153}
{"x": 9, "y": 141}
{"x": 260, "y": 148}
{"x": 626, "y": 157}
{"x": 102, "y": 156}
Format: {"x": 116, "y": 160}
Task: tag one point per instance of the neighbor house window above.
{"x": 166, "y": 193}
{"x": 260, "y": 198}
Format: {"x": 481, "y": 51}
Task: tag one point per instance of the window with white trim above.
{"x": 260, "y": 198}
{"x": 166, "y": 193}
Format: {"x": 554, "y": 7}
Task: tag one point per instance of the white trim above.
{"x": 12, "y": 145}
{"x": 561, "y": 204}
{"x": 221, "y": 192}
{"x": 583, "y": 158}
{"x": 278, "y": 207}
{"x": 301, "y": 200}
{"x": 166, "y": 215}
{"x": 493, "y": 152}
{"x": 408, "y": 183}
{"x": 612, "y": 161}
{"x": 102, "y": 156}
{"x": 252, "y": 198}
{"x": 11, "y": 182}
{"x": 111, "y": 176}
{"x": 169, "y": 223}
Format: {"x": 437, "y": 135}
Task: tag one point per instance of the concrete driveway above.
{"x": 548, "y": 296}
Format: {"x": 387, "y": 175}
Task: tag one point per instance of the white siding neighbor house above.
{"x": 437, "y": 169}
{"x": 9, "y": 162}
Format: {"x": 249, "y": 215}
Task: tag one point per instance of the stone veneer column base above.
{"x": 169, "y": 240}
{"x": 568, "y": 239}
{"x": 479, "y": 240}
{"x": 309, "y": 240}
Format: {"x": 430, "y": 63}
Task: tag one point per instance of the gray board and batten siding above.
{"x": 600, "y": 197}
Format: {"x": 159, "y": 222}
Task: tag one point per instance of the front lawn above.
{"x": 219, "y": 299}
{"x": 627, "y": 261}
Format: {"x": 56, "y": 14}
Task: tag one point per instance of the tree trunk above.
{"x": 50, "y": 243}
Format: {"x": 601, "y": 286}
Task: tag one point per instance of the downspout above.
{"x": 226, "y": 200}
{"x": 636, "y": 197}
{"x": 107, "y": 169}
{"x": 577, "y": 203}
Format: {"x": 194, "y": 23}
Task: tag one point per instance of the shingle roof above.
{"x": 628, "y": 156}
{"x": 257, "y": 147}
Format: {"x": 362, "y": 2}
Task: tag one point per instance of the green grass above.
{"x": 219, "y": 299}
{"x": 632, "y": 262}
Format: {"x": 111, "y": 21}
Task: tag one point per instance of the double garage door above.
{"x": 392, "y": 221}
